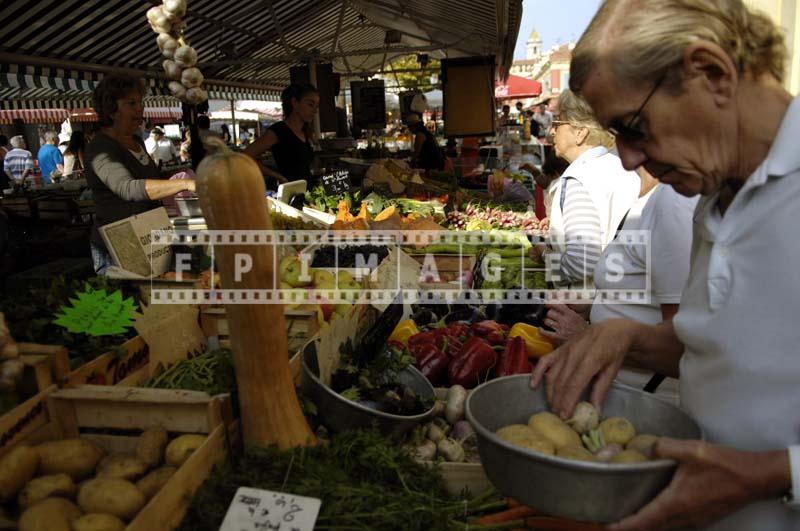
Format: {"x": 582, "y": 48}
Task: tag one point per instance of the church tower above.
{"x": 533, "y": 46}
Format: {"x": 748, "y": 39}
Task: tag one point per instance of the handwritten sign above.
{"x": 337, "y": 182}
{"x": 97, "y": 313}
{"x": 265, "y": 510}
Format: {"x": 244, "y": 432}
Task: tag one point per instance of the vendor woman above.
{"x": 290, "y": 140}
{"x": 123, "y": 177}
{"x": 427, "y": 154}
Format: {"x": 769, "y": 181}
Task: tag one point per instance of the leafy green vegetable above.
{"x": 365, "y": 481}
{"x": 318, "y": 199}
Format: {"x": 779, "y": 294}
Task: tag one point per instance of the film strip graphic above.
{"x": 380, "y": 283}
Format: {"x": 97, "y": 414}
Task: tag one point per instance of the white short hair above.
{"x": 50, "y": 136}
{"x": 17, "y": 141}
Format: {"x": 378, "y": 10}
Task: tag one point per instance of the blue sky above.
{"x": 558, "y": 21}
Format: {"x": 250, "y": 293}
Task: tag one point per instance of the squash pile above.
{"x": 186, "y": 80}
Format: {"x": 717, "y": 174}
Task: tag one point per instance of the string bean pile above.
{"x": 211, "y": 372}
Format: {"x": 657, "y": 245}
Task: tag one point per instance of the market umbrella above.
{"x": 517, "y": 88}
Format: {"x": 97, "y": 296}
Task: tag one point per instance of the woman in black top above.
{"x": 427, "y": 154}
{"x": 290, "y": 140}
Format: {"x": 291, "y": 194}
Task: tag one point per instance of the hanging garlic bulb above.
{"x": 192, "y": 77}
{"x": 169, "y": 48}
{"x": 159, "y": 21}
{"x": 185, "y": 56}
{"x": 163, "y": 39}
{"x": 196, "y": 95}
{"x": 172, "y": 69}
{"x": 176, "y": 7}
{"x": 177, "y": 90}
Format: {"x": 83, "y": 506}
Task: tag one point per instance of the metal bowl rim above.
{"x": 356, "y": 405}
{"x": 574, "y": 464}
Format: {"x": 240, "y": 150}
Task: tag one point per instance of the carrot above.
{"x": 511, "y": 502}
{"x": 508, "y": 515}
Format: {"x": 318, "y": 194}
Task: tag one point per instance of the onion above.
{"x": 177, "y": 90}
{"x": 451, "y": 450}
{"x": 454, "y": 408}
{"x": 196, "y": 96}
{"x": 435, "y": 433}
{"x": 172, "y": 70}
{"x": 462, "y": 431}
{"x": 185, "y": 56}
{"x": 191, "y": 78}
{"x": 176, "y": 7}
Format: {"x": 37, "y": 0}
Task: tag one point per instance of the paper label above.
{"x": 266, "y": 510}
{"x": 337, "y": 182}
{"x": 97, "y": 313}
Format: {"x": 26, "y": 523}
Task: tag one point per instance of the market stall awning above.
{"x": 154, "y": 114}
{"x": 244, "y": 42}
{"x": 517, "y": 88}
{"x": 35, "y": 116}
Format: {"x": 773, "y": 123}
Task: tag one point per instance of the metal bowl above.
{"x": 339, "y": 414}
{"x": 579, "y": 490}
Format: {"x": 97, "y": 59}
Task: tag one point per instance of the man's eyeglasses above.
{"x": 627, "y": 131}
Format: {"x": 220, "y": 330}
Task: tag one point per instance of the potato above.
{"x": 617, "y": 430}
{"x": 554, "y": 429}
{"x": 52, "y": 514}
{"x": 643, "y": 443}
{"x": 152, "y": 482}
{"x": 75, "y": 457}
{"x": 45, "y": 487}
{"x": 16, "y": 469}
{"x": 113, "y": 496}
{"x": 526, "y": 437}
{"x": 150, "y": 447}
{"x": 577, "y": 453}
{"x": 629, "y": 456}
{"x": 98, "y": 522}
{"x": 121, "y": 466}
{"x": 179, "y": 450}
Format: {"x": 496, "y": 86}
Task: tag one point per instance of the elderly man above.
{"x": 544, "y": 118}
{"x": 734, "y": 339}
{"x": 50, "y": 158}
{"x": 18, "y": 163}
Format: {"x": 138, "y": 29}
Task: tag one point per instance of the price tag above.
{"x": 262, "y": 510}
{"x": 97, "y": 313}
{"x": 337, "y": 182}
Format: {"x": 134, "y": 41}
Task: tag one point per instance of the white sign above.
{"x": 265, "y": 510}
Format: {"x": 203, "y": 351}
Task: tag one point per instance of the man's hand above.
{"x": 711, "y": 483}
{"x": 565, "y": 323}
{"x": 596, "y": 354}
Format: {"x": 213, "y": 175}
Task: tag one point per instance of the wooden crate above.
{"x": 450, "y": 268}
{"x": 111, "y": 368}
{"x": 120, "y": 414}
{"x": 301, "y": 325}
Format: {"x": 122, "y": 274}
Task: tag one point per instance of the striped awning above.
{"x": 155, "y": 114}
{"x": 35, "y": 116}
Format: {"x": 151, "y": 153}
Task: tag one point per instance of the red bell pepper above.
{"x": 474, "y": 362}
{"x": 448, "y": 344}
{"x": 514, "y": 359}
{"x": 423, "y": 337}
{"x": 431, "y": 361}
{"x": 484, "y": 328}
{"x": 458, "y": 330}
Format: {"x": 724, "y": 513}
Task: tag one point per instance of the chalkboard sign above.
{"x": 337, "y": 182}
{"x": 369, "y": 104}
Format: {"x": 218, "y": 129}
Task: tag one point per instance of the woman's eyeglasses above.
{"x": 626, "y": 131}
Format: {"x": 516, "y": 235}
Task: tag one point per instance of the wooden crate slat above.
{"x": 24, "y": 420}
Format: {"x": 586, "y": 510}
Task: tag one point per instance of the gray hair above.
{"x": 50, "y": 136}
{"x": 574, "y": 109}
{"x": 17, "y": 142}
{"x": 641, "y": 40}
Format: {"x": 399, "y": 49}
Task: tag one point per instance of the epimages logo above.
{"x": 376, "y": 267}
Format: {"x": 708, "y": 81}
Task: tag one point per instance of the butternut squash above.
{"x": 231, "y": 191}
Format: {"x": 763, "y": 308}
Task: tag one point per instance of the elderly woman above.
{"x": 676, "y": 81}
{"x": 123, "y": 177}
{"x": 592, "y": 196}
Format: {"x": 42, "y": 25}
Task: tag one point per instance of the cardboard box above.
{"x": 129, "y": 241}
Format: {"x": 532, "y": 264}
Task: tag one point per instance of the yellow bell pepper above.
{"x": 536, "y": 345}
{"x": 403, "y": 331}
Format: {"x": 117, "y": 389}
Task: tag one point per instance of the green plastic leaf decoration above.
{"x": 97, "y": 313}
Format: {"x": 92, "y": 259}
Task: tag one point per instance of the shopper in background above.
{"x": 290, "y": 140}
{"x": 73, "y": 156}
{"x": 658, "y": 266}
{"x": 51, "y": 162}
{"x": 226, "y": 134}
{"x": 161, "y": 148}
{"x": 544, "y": 118}
{"x": 734, "y": 339}
{"x": 5, "y": 180}
{"x": 18, "y": 163}
{"x": 592, "y": 196}
{"x": 425, "y": 152}
{"x": 124, "y": 179}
